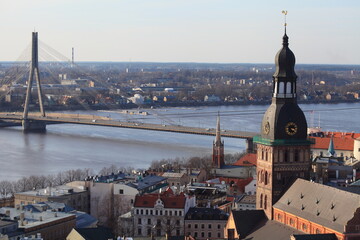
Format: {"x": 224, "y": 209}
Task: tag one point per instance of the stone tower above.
{"x": 283, "y": 150}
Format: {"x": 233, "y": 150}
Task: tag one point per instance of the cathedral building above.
{"x": 283, "y": 150}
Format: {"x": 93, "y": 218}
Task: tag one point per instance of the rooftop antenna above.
{"x": 285, "y": 12}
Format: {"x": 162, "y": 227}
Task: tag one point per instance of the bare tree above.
{"x": 6, "y": 189}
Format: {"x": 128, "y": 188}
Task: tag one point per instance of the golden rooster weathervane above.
{"x": 285, "y": 12}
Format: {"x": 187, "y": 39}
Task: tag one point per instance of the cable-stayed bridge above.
{"x": 32, "y": 121}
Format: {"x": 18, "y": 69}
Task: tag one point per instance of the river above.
{"x": 69, "y": 146}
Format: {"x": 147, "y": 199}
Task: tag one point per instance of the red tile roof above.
{"x": 169, "y": 199}
{"x": 340, "y": 143}
{"x": 248, "y": 159}
{"x": 238, "y": 183}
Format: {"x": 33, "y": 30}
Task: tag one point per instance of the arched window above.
{"x": 265, "y": 202}
{"x": 281, "y": 88}
{"x": 296, "y": 155}
{"x": 286, "y": 156}
{"x": 266, "y": 177}
{"x": 261, "y": 200}
{"x": 288, "y": 88}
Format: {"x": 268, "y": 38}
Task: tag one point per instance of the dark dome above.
{"x": 285, "y": 61}
{"x": 278, "y": 115}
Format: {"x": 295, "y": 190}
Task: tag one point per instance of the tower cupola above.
{"x": 285, "y": 76}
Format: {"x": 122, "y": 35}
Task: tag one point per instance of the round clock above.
{"x": 267, "y": 128}
{"x": 291, "y": 128}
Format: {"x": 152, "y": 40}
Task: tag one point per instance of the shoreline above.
{"x": 165, "y": 105}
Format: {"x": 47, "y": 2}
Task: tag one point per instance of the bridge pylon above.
{"x": 28, "y": 125}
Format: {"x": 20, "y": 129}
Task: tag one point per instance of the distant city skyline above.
{"x": 209, "y": 31}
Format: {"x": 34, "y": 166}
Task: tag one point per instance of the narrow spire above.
{"x": 218, "y": 131}
{"x": 285, "y": 38}
{"x": 331, "y": 149}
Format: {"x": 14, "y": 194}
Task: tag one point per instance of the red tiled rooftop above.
{"x": 340, "y": 143}
{"x": 168, "y": 198}
{"x": 248, "y": 159}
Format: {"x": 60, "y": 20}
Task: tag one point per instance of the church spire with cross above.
{"x": 218, "y": 147}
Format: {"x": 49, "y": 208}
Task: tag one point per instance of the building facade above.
{"x": 161, "y": 214}
{"x": 205, "y": 223}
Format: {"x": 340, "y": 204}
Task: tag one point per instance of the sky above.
{"x": 212, "y": 31}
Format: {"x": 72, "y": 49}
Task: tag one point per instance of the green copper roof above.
{"x": 282, "y": 142}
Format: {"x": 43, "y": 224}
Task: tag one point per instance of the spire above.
{"x": 285, "y": 38}
{"x": 218, "y": 131}
{"x": 331, "y": 149}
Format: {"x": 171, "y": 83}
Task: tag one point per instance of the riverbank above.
{"x": 165, "y": 105}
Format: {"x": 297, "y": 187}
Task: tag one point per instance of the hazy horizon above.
{"x": 184, "y": 31}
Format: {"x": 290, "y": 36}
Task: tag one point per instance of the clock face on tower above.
{"x": 267, "y": 128}
{"x": 291, "y": 128}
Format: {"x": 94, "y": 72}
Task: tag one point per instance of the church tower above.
{"x": 283, "y": 150}
{"x": 218, "y": 147}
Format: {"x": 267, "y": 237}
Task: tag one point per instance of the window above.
{"x": 209, "y": 226}
{"x": 141, "y": 212}
{"x": 209, "y": 234}
{"x": 219, "y": 235}
{"x": 158, "y": 223}
{"x": 139, "y": 221}
{"x": 189, "y": 225}
{"x": 168, "y": 222}
{"x": 149, "y": 221}
{"x": 139, "y": 231}
{"x": 165, "y": 212}
{"x": 196, "y": 226}
{"x": 177, "y": 222}
{"x": 137, "y": 211}
{"x": 296, "y": 155}
{"x": 170, "y": 213}
{"x": 177, "y": 232}
{"x": 304, "y": 226}
{"x": 195, "y": 234}
{"x": 202, "y": 234}
{"x": 202, "y": 226}
{"x": 121, "y": 191}
{"x": 219, "y": 226}
{"x": 151, "y": 212}
{"x": 265, "y": 202}
{"x": 175, "y": 213}
{"x": 291, "y": 221}
{"x": 147, "y": 212}
{"x": 156, "y": 212}
{"x": 180, "y": 213}
{"x": 149, "y": 231}
{"x": 132, "y": 201}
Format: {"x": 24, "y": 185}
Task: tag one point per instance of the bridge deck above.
{"x": 56, "y": 118}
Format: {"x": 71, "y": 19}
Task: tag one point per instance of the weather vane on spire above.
{"x": 285, "y": 13}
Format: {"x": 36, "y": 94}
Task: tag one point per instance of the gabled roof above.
{"x": 268, "y": 229}
{"x": 245, "y": 221}
{"x": 169, "y": 200}
{"x": 99, "y": 233}
{"x": 328, "y": 236}
{"x": 346, "y": 144}
{"x": 321, "y": 204}
{"x": 248, "y": 159}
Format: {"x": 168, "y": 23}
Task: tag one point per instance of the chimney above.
{"x": 40, "y": 219}
{"x": 22, "y": 217}
{"x": 7, "y": 213}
